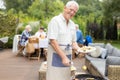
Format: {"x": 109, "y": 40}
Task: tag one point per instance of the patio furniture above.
{"x": 107, "y": 67}
{"x": 33, "y": 40}
{"x": 17, "y": 48}
{"x": 87, "y": 77}
{"x": 3, "y": 41}
{"x": 43, "y": 44}
{"x": 16, "y": 44}
{"x": 1, "y": 45}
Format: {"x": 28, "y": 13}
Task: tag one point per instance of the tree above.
{"x": 87, "y": 7}
{"x": 65, "y": 1}
{"x": 101, "y": 31}
{"x": 111, "y": 11}
{"x": 45, "y": 9}
{"x": 7, "y": 26}
{"x": 18, "y": 5}
{"x": 115, "y": 35}
{"x": 111, "y": 8}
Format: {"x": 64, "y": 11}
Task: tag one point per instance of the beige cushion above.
{"x": 97, "y": 52}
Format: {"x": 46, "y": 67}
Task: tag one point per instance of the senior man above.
{"x": 62, "y": 38}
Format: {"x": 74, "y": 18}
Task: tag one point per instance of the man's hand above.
{"x": 57, "y": 48}
{"x": 66, "y": 61}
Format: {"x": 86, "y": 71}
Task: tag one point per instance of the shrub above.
{"x": 7, "y": 26}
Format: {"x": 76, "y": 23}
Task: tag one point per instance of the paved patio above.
{"x": 21, "y": 68}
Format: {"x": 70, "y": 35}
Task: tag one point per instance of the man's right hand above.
{"x": 57, "y": 48}
{"x": 66, "y": 61}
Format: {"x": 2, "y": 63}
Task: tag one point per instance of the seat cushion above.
{"x": 92, "y": 58}
{"x": 116, "y": 52}
{"x": 100, "y": 66}
{"x": 113, "y": 60}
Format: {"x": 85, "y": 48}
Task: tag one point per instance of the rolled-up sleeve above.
{"x": 53, "y": 29}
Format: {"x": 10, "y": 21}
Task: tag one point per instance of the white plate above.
{"x": 87, "y": 49}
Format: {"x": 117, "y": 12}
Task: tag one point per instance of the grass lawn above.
{"x": 114, "y": 43}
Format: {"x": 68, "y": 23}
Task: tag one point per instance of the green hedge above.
{"x": 7, "y": 27}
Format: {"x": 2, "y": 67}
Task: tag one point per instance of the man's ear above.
{"x": 65, "y": 7}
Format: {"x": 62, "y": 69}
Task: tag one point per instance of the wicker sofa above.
{"x": 108, "y": 67}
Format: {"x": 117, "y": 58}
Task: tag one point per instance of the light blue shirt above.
{"x": 79, "y": 37}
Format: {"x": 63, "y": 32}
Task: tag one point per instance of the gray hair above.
{"x": 69, "y": 3}
{"x": 27, "y": 26}
{"x": 76, "y": 25}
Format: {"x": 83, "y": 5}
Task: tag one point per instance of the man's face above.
{"x": 70, "y": 11}
{"x": 29, "y": 29}
{"x": 41, "y": 30}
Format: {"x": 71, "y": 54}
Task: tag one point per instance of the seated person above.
{"x": 79, "y": 36}
{"x": 88, "y": 39}
{"x": 24, "y": 37}
{"x": 79, "y": 41}
{"x": 41, "y": 33}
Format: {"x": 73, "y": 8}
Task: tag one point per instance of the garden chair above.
{"x": 3, "y": 41}
{"x": 32, "y": 41}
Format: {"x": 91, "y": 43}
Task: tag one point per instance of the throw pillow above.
{"x": 103, "y": 53}
{"x": 97, "y": 52}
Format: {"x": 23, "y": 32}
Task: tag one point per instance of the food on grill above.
{"x": 73, "y": 68}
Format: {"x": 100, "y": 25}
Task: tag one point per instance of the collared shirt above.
{"x": 79, "y": 37}
{"x": 61, "y": 31}
{"x": 38, "y": 34}
{"x": 24, "y": 37}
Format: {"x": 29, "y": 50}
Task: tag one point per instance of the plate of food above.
{"x": 87, "y": 49}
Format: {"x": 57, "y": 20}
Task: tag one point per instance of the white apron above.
{"x": 56, "y": 70}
